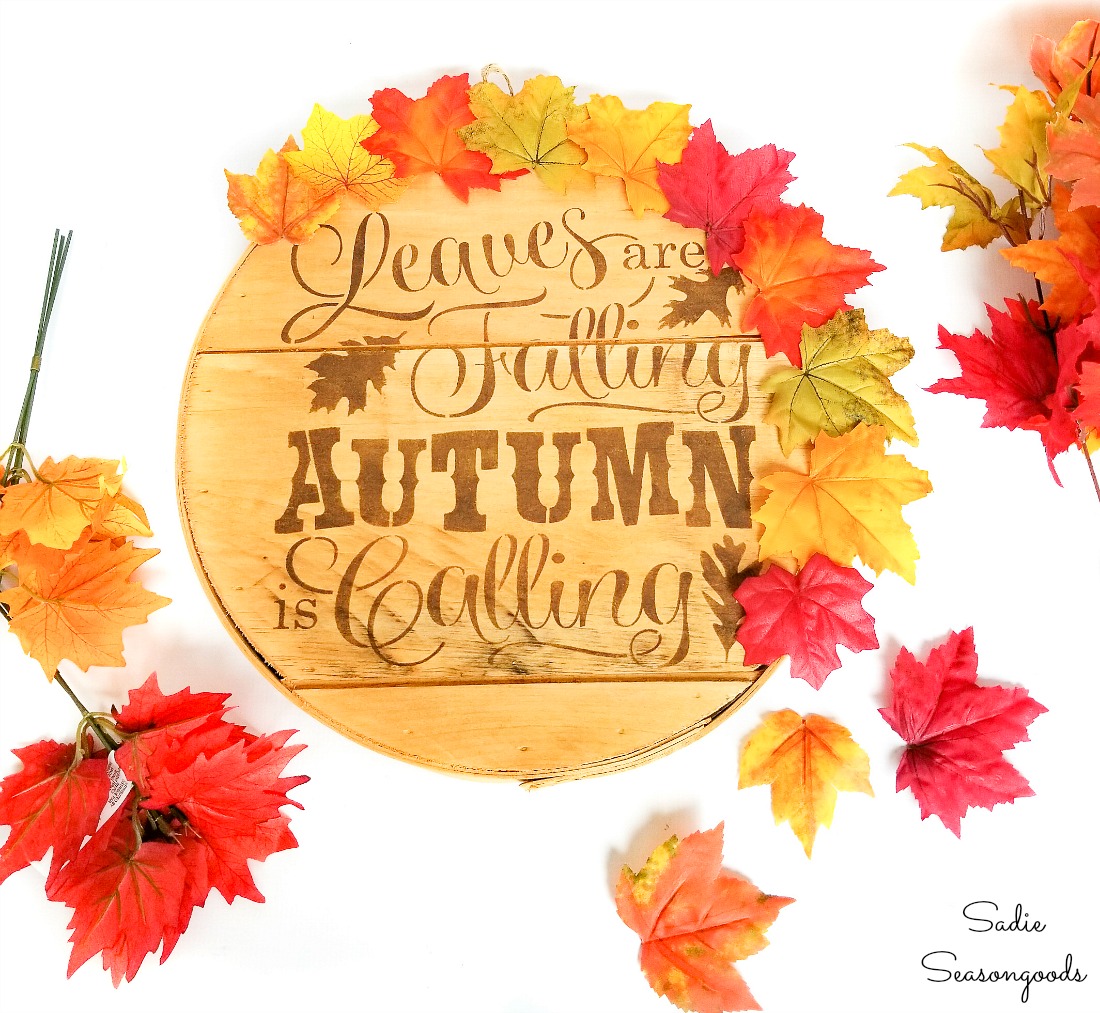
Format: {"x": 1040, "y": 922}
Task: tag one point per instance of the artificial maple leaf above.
{"x": 695, "y": 919}
{"x": 976, "y": 218}
{"x": 955, "y": 732}
{"x": 805, "y": 616}
{"x": 722, "y": 573}
{"x": 278, "y": 204}
{"x": 54, "y": 802}
{"x": 78, "y": 607}
{"x": 801, "y": 278}
{"x": 843, "y": 382}
{"x": 706, "y": 296}
{"x": 1060, "y": 262}
{"x": 347, "y": 375}
{"x": 125, "y": 895}
{"x": 1060, "y": 65}
{"x": 848, "y": 505}
{"x": 1088, "y": 393}
{"x": 64, "y": 499}
{"x": 333, "y": 161}
{"x": 122, "y": 517}
{"x": 528, "y": 130}
{"x": 712, "y": 190}
{"x": 1075, "y": 153}
{"x": 421, "y": 136}
{"x": 627, "y": 144}
{"x": 1016, "y": 372}
{"x": 1022, "y": 155}
{"x": 806, "y": 760}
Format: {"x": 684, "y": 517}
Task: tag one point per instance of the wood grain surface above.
{"x": 471, "y": 482}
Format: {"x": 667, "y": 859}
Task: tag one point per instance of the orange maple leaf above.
{"x": 806, "y": 761}
{"x": 420, "y": 136}
{"x": 1053, "y": 260}
{"x": 278, "y": 204}
{"x": 627, "y": 144}
{"x": 801, "y": 278}
{"x": 75, "y": 604}
{"x": 694, "y": 919}
{"x": 64, "y": 499}
{"x": 848, "y": 505}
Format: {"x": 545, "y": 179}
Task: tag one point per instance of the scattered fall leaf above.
{"x": 706, "y": 296}
{"x": 64, "y": 499}
{"x": 806, "y": 761}
{"x": 712, "y": 190}
{"x": 333, "y": 160}
{"x": 695, "y": 919}
{"x": 801, "y": 278}
{"x": 956, "y": 731}
{"x": 843, "y": 382}
{"x": 529, "y": 130}
{"x": 976, "y": 217}
{"x": 76, "y": 606}
{"x": 277, "y": 204}
{"x": 805, "y": 616}
{"x": 626, "y": 144}
{"x": 848, "y": 505}
{"x": 421, "y": 136}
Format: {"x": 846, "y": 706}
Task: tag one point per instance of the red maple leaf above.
{"x": 801, "y": 278}
{"x": 1025, "y": 378}
{"x": 955, "y": 732}
{"x": 125, "y": 894}
{"x": 419, "y": 136}
{"x": 805, "y": 616}
{"x": 712, "y": 190}
{"x": 53, "y": 802}
{"x": 1088, "y": 392}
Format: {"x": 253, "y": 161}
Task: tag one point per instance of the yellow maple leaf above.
{"x": 64, "y": 499}
{"x": 277, "y": 204}
{"x": 628, "y": 143}
{"x": 976, "y": 218}
{"x": 123, "y": 518}
{"x": 529, "y": 130}
{"x": 1022, "y": 155}
{"x": 806, "y": 761}
{"x": 75, "y": 604}
{"x": 333, "y": 161}
{"x": 842, "y": 382}
{"x": 848, "y": 505}
{"x": 1056, "y": 261}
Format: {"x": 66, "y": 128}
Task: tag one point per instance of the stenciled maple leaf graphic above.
{"x": 347, "y": 375}
{"x": 706, "y": 296}
{"x": 722, "y": 573}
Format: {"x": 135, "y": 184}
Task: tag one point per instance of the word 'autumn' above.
{"x": 479, "y": 265}
{"x": 466, "y": 453}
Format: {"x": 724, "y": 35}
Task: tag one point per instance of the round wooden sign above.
{"x": 471, "y": 482}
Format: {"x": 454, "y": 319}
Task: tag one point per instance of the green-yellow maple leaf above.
{"x": 333, "y": 161}
{"x": 1023, "y": 153}
{"x": 976, "y": 218}
{"x": 529, "y": 130}
{"x": 842, "y": 383}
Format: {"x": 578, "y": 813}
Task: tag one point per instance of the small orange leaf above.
{"x": 75, "y": 604}
{"x": 695, "y": 919}
{"x": 628, "y": 143}
{"x": 66, "y": 497}
{"x": 276, "y": 204}
{"x": 123, "y": 518}
{"x": 806, "y": 761}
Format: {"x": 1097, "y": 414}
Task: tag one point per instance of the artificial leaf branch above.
{"x": 1033, "y": 369}
{"x": 137, "y": 842}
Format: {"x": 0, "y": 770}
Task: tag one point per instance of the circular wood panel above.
{"x": 469, "y": 481}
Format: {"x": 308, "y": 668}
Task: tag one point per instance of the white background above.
{"x": 414, "y": 891}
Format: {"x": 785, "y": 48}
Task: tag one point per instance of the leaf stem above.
{"x": 1088, "y": 460}
{"x": 58, "y": 255}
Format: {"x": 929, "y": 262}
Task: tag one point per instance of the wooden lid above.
{"x": 468, "y": 481}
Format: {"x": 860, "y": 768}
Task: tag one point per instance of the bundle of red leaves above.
{"x": 205, "y": 797}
